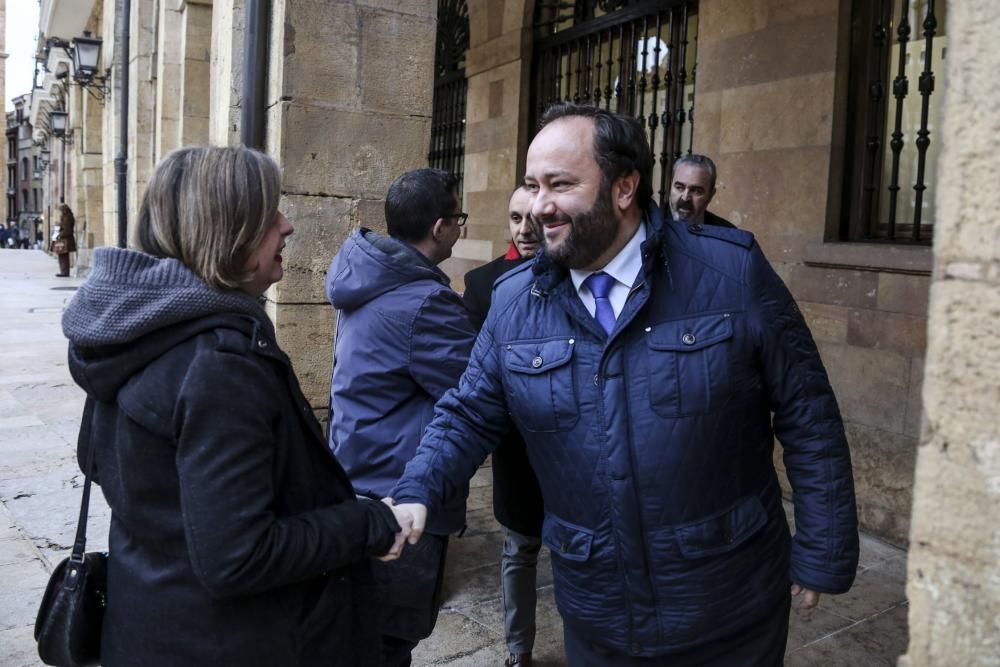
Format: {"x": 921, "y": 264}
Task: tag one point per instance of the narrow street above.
{"x": 40, "y": 485}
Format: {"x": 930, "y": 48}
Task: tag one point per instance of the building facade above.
{"x": 24, "y": 182}
{"x": 823, "y": 116}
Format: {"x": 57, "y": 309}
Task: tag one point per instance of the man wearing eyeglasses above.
{"x": 403, "y": 338}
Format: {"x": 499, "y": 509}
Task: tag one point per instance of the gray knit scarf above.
{"x": 130, "y": 294}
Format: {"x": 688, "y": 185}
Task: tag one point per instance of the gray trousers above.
{"x": 518, "y": 565}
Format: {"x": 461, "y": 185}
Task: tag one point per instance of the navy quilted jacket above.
{"x": 653, "y": 446}
{"x": 403, "y": 340}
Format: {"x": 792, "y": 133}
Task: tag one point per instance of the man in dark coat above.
{"x": 517, "y": 500}
{"x": 403, "y": 339}
{"x": 649, "y": 367}
{"x": 692, "y": 189}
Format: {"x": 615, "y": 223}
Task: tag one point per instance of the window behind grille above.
{"x": 447, "y": 149}
{"x": 636, "y": 57}
{"x": 894, "y": 119}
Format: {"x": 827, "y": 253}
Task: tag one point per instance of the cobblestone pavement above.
{"x": 40, "y": 483}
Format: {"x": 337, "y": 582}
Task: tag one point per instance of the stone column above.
{"x": 110, "y": 121}
{"x": 196, "y": 20}
{"x": 498, "y": 66}
{"x": 954, "y": 580}
{"x": 349, "y": 106}
{"x": 142, "y": 102}
{"x": 225, "y": 87}
{"x": 169, "y": 79}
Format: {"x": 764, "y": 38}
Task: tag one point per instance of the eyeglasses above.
{"x": 461, "y": 217}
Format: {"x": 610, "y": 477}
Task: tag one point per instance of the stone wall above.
{"x": 770, "y": 111}
{"x": 498, "y": 66}
{"x": 953, "y": 583}
{"x": 349, "y": 107}
{"x": 87, "y": 197}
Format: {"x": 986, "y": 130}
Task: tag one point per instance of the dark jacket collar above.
{"x": 548, "y": 274}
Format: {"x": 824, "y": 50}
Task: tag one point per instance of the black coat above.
{"x": 718, "y": 221}
{"x": 517, "y": 500}
{"x": 235, "y": 535}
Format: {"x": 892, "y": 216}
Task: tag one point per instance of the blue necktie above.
{"x": 599, "y": 285}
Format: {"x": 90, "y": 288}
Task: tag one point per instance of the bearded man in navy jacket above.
{"x": 642, "y": 361}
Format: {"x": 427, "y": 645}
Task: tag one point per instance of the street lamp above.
{"x": 85, "y": 52}
{"x": 58, "y": 119}
{"x": 86, "y": 55}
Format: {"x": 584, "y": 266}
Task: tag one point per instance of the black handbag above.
{"x": 70, "y": 618}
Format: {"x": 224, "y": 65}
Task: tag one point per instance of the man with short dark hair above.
{"x": 402, "y": 339}
{"x": 649, "y": 367}
{"x": 692, "y": 189}
{"x": 517, "y": 500}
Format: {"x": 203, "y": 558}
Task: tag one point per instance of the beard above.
{"x": 682, "y": 210}
{"x": 590, "y": 233}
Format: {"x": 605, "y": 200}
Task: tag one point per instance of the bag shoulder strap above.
{"x": 84, "y": 440}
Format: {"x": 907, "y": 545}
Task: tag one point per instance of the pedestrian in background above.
{"x": 517, "y": 500}
{"x": 65, "y": 242}
{"x": 236, "y": 538}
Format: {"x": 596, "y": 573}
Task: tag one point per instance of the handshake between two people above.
{"x": 411, "y": 517}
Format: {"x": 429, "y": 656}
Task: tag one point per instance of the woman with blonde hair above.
{"x": 236, "y": 538}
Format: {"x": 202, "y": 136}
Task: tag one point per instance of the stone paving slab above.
{"x": 40, "y": 494}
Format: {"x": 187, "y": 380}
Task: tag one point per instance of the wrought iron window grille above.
{"x": 634, "y": 57}
{"x": 891, "y": 150}
{"x": 447, "y": 149}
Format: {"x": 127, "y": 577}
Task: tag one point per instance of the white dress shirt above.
{"x": 624, "y": 268}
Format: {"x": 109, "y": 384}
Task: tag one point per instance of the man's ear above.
{"x": 625, "y": 189}
{"x": 437, "y": 230}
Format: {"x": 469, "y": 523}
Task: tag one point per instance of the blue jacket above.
{"x": 403, "y": 340}
{"x": 653, "y": 446}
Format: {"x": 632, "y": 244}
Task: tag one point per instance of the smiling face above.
{"x": 522, "y": 233}
{"x": 572, "y": 208}
{"x": 265, "y": 261}
{"x": 690, "y": 193}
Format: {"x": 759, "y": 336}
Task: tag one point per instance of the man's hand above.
{"x": 411, "y": 518}
{"x": 810, "y": 598}
{"x": 418, "y": 514}
{"x": 405, "y": 521}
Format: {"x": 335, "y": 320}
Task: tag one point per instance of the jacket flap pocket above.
{"x": 538, "y": 356}
{"x": 565, "y": 539}
{"x": 722, "y": 532}
{"x": 690, "y": 334}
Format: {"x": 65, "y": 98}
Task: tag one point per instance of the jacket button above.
{"x": 597, "y": 380}
{"x": 688, "y": 339}
{"x": 261, "y": 343}
{"x": 536, "y": 362}
{"x": 636, "y": 648}
{"x": 564, "y": 547}
{"x": 696, "y": 228}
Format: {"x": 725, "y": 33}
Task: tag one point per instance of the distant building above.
{"x": 4, "y": 201}
{"x": 24, "y": 183}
